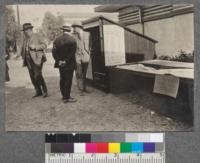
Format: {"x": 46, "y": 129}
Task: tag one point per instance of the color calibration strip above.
{"x": 110, "y": 137}
{"x": 104, "y": 147}
{"x": 130, "y": 147}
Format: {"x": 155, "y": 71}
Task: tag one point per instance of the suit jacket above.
{"x": 64, "y": 49}
{"x": 37, "y": 55}
{"x": 82, "y": 51}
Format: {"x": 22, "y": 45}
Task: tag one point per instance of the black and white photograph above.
{"x": 99, "y": 67}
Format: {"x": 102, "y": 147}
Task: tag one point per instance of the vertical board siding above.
{"x": 137, "y": 45}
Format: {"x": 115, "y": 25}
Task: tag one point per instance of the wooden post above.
{"x": 140, "y": 18}
{"x": 18, "y": 16}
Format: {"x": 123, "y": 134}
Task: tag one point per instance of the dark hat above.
{"x": 27, "y": 26}
{"x": 77, "y": 24}
{"x": 66, "y": 28}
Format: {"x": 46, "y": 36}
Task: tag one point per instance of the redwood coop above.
{"x": 113, "y": 44}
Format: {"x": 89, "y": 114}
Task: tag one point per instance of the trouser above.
{"x": 66, "y": 76}
{"x": 81, "y": 75}
{"x": 7, "y": 73}
{"x": 35, "y": 72}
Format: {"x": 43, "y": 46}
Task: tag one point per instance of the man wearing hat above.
{"x": 64, "y": 48}
{"x": 33, "y": 58}
{"x": 82, "y": 55}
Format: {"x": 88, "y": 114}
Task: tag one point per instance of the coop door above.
{"x": 114, "y": 45}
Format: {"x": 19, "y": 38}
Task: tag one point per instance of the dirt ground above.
{"x": 97, "y": 111}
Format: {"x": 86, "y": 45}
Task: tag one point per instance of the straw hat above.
{"x": 66, "y": 27}
{"x": 77, "y": 24}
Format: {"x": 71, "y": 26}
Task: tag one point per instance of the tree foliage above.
{"x": 181, "y": 57}
{"x": 13, "y": 32}
{"x": 51, "y": 26}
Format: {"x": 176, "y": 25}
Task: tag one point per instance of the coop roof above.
{"x": 97, "y": 18}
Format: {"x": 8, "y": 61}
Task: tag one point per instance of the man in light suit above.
{"x": 33, "y": 58}
{"x": 82, "y": 56}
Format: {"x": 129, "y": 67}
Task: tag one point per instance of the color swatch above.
{"x": 126, "y": 147}
{"x": 114, "y": 147}
{"x": 105, "y": 143}
{"x": 102, "y": 147}
{"x": 137, "y": 147}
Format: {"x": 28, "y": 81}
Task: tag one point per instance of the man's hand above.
{"x": 62, "y": 63}
{"x": 6, "y": 56}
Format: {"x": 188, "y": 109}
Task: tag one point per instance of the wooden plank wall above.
{"x": 131, "y": 15}
{"x": 137, "y": 46}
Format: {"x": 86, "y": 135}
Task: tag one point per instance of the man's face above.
{"x": 28, "y": 32}
{"x": 77, "y": 29}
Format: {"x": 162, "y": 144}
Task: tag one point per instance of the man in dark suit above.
{"x": 33, "y": 58}
{"x": 64, "y": 49}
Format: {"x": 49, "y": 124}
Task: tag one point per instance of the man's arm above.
{"x": 21, "y": 49}
{"x": 54, "y": 52}
{"x": 74, "y": 48}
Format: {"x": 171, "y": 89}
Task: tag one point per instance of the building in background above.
{"x": 79, "y": 17}
{"x": 171, "y": 25}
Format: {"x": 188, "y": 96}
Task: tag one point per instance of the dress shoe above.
{"x": 37, "y": 95}
{"x": 65, "y": 100}
{"x": 45, "y": 94}
{"x": 82, "y": 93}
{"x": 86, "y": 91}
{"x": 72, "y": 100}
